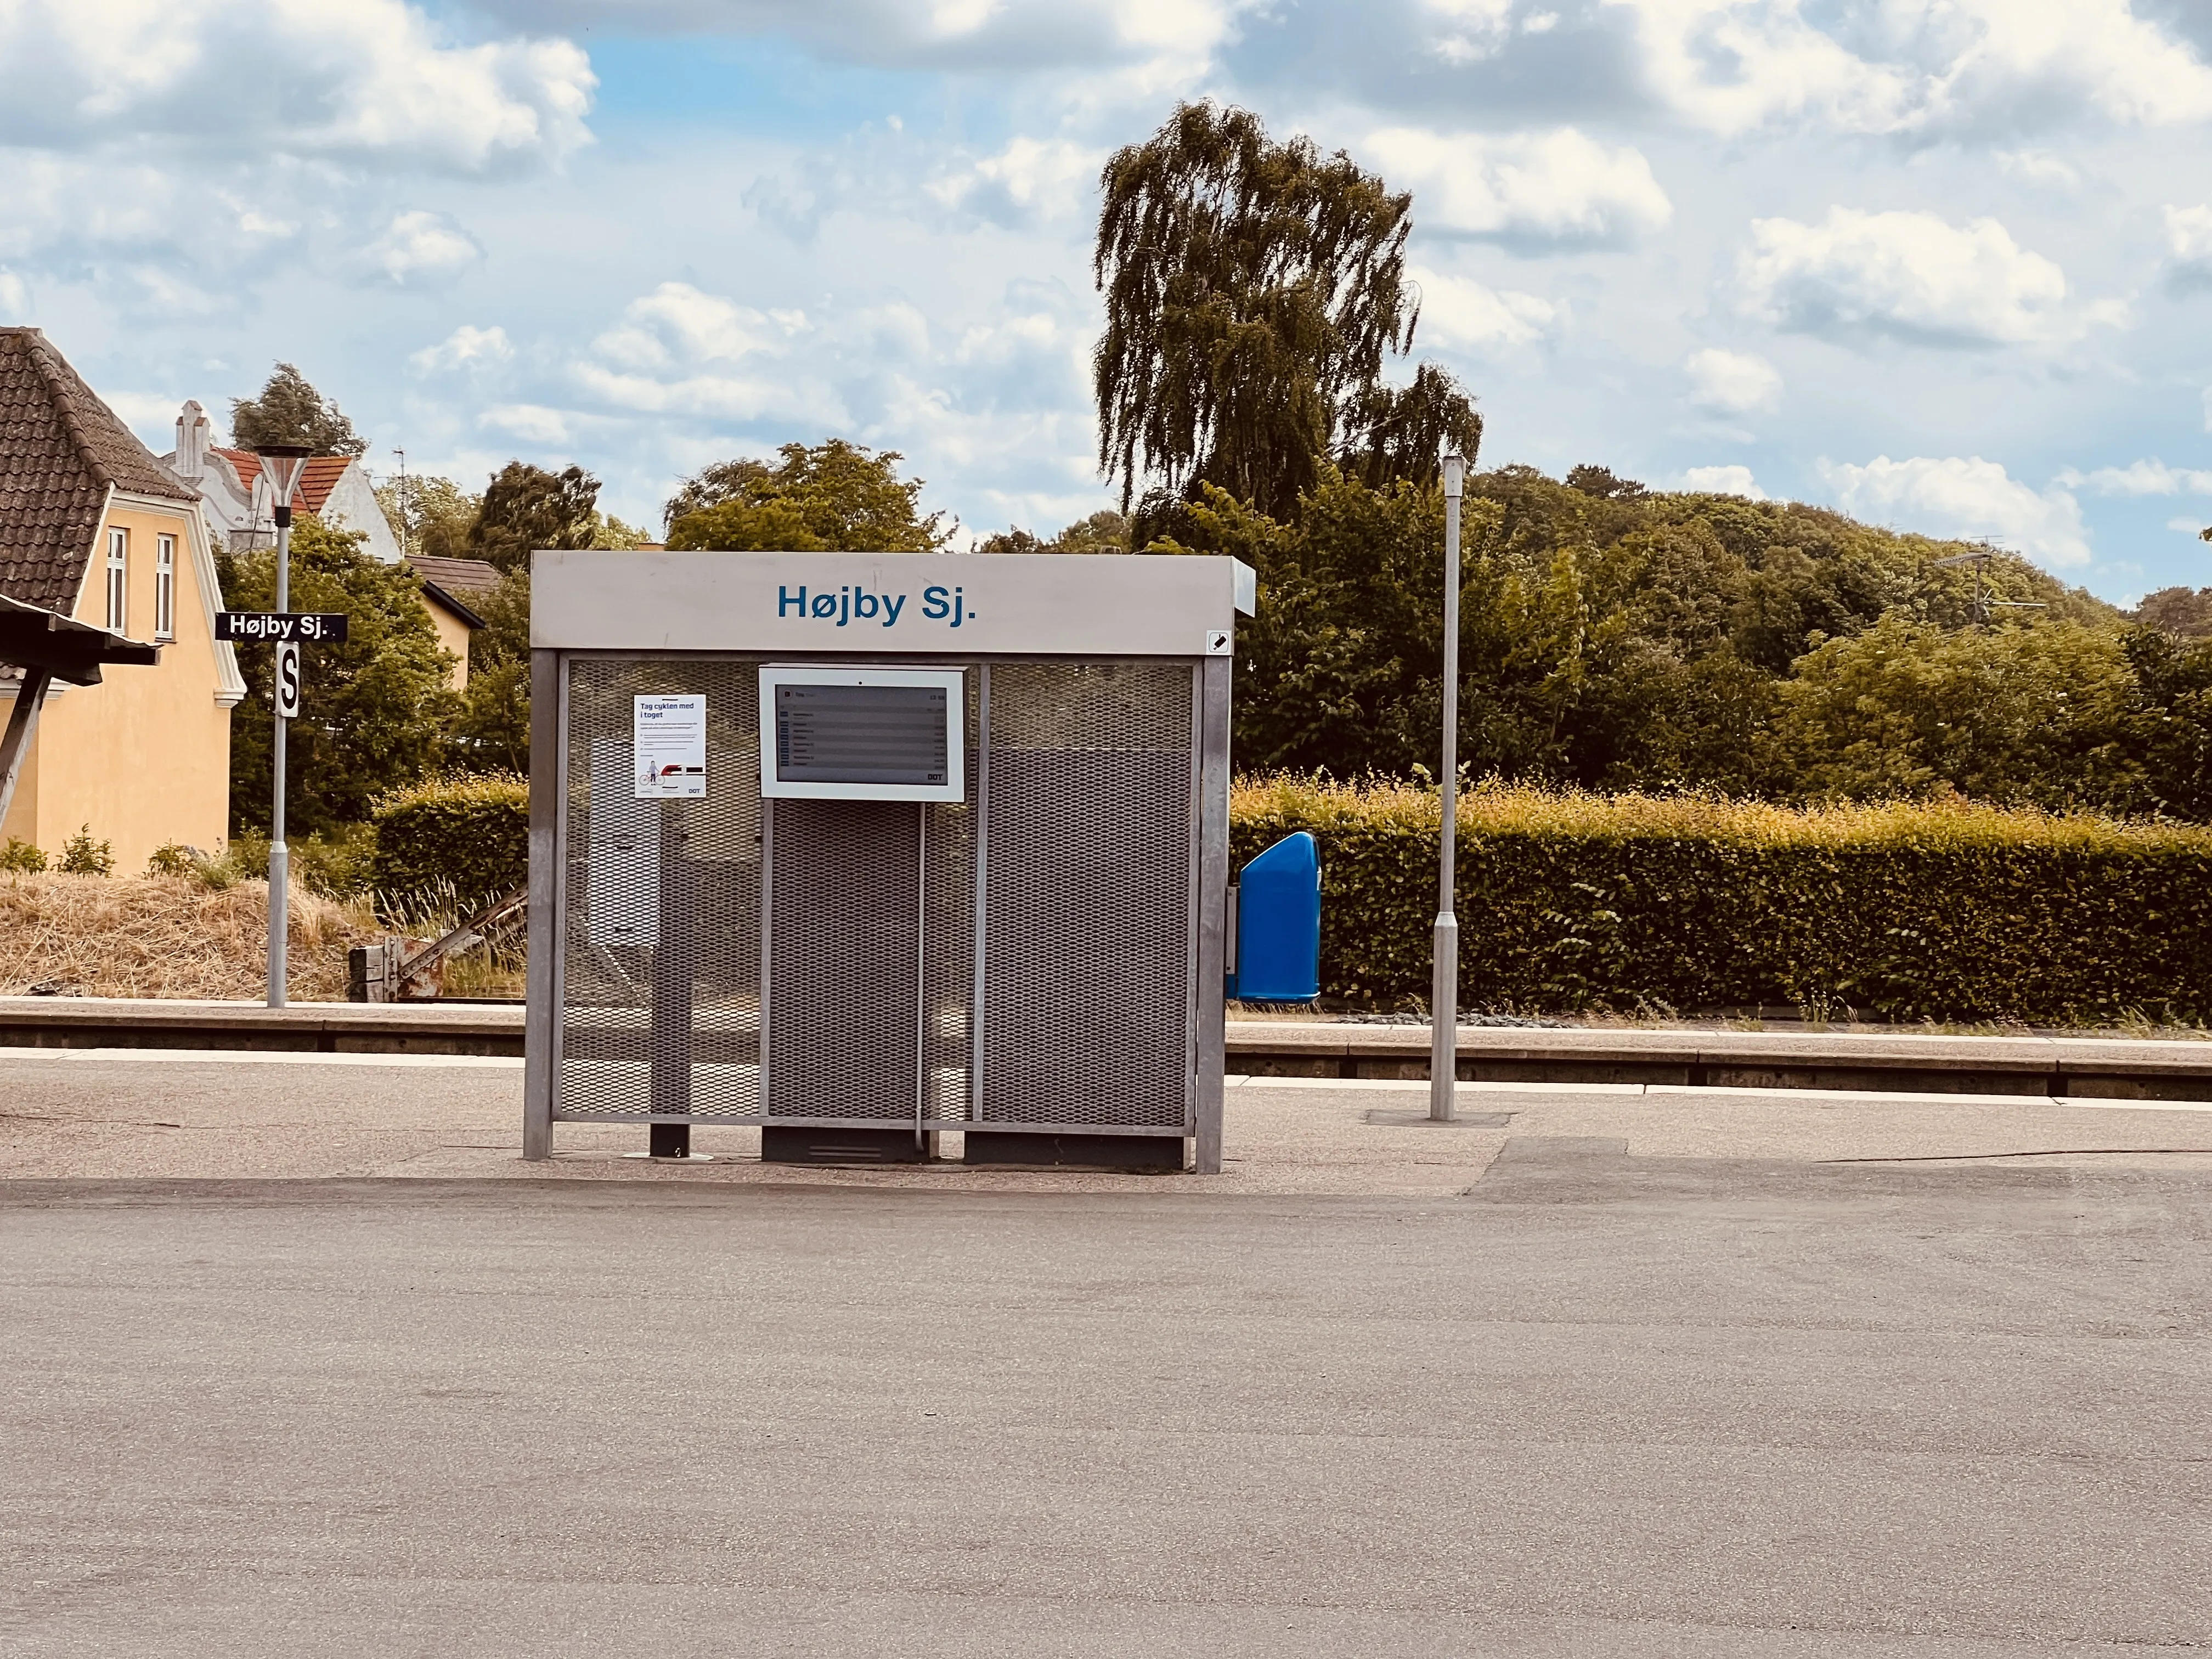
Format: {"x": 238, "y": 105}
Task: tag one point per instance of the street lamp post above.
{"x": 280, "y": 464}
{"x": 1443, "y": 989}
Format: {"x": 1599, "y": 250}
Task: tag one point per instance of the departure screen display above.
{"x": 860, "y": 734}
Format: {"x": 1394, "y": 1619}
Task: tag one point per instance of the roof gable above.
{"x": 317, "y": 477}
{"x": 61, "y": 450}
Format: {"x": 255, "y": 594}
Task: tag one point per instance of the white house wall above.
{"x": 352, "y": 506}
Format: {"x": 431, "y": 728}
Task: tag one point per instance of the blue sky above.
{"x": 1945, "y": 263}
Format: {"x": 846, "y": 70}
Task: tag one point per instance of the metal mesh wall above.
{"x": 871, "y": 950}
{"x": 844, "y": 925}
{"x": 1088, "y": 952}
{"x": 660, "y": 937}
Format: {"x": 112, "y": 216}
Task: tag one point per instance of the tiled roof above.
{"x": 244, "y": 465}
{"x": 61, "y": 450}
{"x": 458, "y": 576}
{"x": 317, "y": 479}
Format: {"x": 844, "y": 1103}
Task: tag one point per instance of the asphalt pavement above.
{"x": 1580, "y": 1400}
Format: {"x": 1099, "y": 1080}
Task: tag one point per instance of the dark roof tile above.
{"x": 456, "y": 576}
{"x": 61, "y": 450}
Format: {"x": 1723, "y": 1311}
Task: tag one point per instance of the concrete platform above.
{"x": 136, "y": 1115}
{"x": 2119, "y": 1069}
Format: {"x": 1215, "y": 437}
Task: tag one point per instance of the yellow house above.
{"x": 94, "y": 529}
{"x": 452, "y": 589}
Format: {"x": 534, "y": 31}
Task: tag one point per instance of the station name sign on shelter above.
{"x": 889, "y": 603}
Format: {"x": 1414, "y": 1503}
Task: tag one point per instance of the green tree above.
{"x": 2183, "y": 610}
{"x": 429, "y": 514}
{"x": 1103, "y": 531}
{"x": 374, "y": 710}
{"x": 526, "y": 508}
{"x": 291, "y": 411}
{"x": 2170, "y": 723}
{"x": 2030, "y": 713}
{"x": 1615, "y": 636}
{"x": 831, "y": 497}
{"x": 492, "y": 733}
{"x": 611, "y": 533}
{"x": 1253, "y": 290}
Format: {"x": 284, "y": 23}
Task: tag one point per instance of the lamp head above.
{"x": 281, "y": 464}
{"x": 1455, "y": 473}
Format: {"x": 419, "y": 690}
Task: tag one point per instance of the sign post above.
{"x": 281, "y": 466}
{"x": 1443, "y": 998}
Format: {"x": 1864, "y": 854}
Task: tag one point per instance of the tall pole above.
{"x": 279, "y": 856}
{"x": 1443, "y": 991}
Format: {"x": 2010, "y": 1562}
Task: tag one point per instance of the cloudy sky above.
{"x": 1946, "y": 264}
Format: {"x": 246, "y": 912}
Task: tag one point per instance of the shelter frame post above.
{"x": 22, "y": 727}
{"x": 1212, "y": 906}
{"x": 541, "y": 1031}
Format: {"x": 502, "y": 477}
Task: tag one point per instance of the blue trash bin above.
{"x": 1278, "y": 924}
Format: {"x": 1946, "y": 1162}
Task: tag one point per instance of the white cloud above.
{"x": 2187, "y": 527}
{"x": 1909, "y": 276}
{"x": 356, "y": 80}
{"x": 681, "y": 350}
{"x": 2188, "y": 241}
{"x": 1920, "y": 67}
{"x": 1530, "y": 190}
{"x": 1963, "y": 496}
{"x": 533, "y": 423}
{"x": 2150, "y": 477}
{"x": 151, "y": 415}
{"x": 1030, "y": 178}
{"x": 1724, "y": 481}
{"x": 998, "y": 35}
{"x": 15, "y": 298}
{"x": 1733, "y": 382}
{"x": 1456, "y": 312}
{"x": 2037, "y": 167}
{"x": 419, "y": 249}
{"x": 466, "y": 346}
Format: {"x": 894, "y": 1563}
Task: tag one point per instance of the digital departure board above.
{"x": 859, "y": 733}
{"x": 862, "y": 734}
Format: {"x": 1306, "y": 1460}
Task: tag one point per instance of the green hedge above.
{"x": 452, "y": 842}
{"x": 1572, "y": 901}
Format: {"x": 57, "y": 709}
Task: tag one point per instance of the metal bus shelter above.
{"x": 865, "y": 848}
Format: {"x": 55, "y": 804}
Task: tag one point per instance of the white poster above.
{"x": 668, "y": 747}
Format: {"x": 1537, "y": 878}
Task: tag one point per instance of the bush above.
{"x": 83, "y": 856}
{"x": 173, "y": 858}
{"x": 339, "y": 863}
{"x": 21, "y": 854}
{"x": 1936, "y": 911}
{"x": 456, "y": 840}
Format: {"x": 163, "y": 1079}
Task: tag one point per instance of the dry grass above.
{"x": 1490, "y": 807}
{"x": 167, "y": 936}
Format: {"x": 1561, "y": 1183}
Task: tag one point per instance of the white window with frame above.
{"x": 118, "y": 579}
{"x": 165, "y": 587}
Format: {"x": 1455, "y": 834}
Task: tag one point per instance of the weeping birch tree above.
{"x": 1254, "y": 290}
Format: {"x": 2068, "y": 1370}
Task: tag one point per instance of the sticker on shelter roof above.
{"x": 668, "y": 747}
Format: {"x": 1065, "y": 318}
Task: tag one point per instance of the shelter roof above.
{"x": 32, "y": 636}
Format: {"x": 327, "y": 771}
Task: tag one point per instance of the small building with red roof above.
{"x": 336, "y": 488}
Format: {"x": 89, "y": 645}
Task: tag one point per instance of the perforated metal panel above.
{"x": 1088, "y": 958}
{"x": 844, "y": 968}
{"x": 659, "y": 963}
